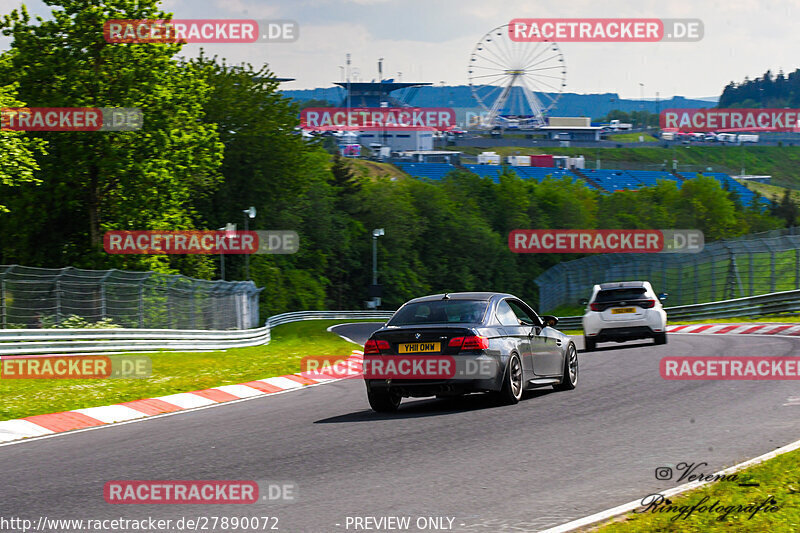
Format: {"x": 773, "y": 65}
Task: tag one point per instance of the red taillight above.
{"x": 474, "y": 342}
{"x": 595, "y": 307}
{"x": 456, "y": 342}
{"x": 647, "y": 304}
{"x": 375, "y": 346}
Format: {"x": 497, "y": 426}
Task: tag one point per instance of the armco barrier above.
{"x": 66, "y": 341}
{"x": 73, "y": 341}
{"x": 285, "y": 318}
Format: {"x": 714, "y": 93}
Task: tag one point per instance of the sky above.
{"x": 431, "y": 40}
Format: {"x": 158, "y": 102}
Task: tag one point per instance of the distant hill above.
{"x": 570, "y": 104}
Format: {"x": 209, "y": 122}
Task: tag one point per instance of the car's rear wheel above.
{"x": 383, "y": 401}
{"x": 660, "y": 338}
{"x": 589, "y": 344}
{"x": 569, "y": 379}
{"x": 511, "y": 392}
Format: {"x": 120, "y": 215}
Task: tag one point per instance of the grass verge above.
{"x": 632, "y": 137}
{"x": 175, "y": 372}
{"x": 778, "y": 480}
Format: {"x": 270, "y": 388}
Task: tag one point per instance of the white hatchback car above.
{"x": 623, "y": 311}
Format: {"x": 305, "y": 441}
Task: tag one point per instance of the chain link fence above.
{"x": 746, "y": 266}
{"x": 44, "y": 297}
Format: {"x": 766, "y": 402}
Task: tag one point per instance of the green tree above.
{"x": 17, "y": 151}
{"x": 786, "y": 209}
{"x": 96, "y": 181}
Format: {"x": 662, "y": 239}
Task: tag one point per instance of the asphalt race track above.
{"x": 554, "y": 457}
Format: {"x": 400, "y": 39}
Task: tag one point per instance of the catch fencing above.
{"x": 14, "y": 342}
{"x": 755, "y": 264}
{"x": 44, "y": 297}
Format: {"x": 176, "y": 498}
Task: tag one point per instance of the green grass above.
{"x": 175, "y": 372}
{"x": 778, "y": 478}
{"x": 632, "y": 137}
{"x": 743, "y": 319}
{"x": 773, "y": 192}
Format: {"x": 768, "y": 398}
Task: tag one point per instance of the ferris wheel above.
{"x": 516, "y": 83}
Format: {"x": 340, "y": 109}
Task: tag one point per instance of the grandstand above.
{"x": 745, "y": 195}
{"x": 537, "y": 173}
{"x": 434, "y": 171}
{"x": 605, "y": 180}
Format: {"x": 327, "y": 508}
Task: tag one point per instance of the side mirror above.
{"x": 583, "y": 301}
{"x": 550, "y": 320}
{"x": 663, "y": 296}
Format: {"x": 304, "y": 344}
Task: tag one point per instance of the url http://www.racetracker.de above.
{"x": 47, "y": 524}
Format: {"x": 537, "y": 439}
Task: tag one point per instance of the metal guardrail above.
{"x": 285, "y": 318}
{"x": 71, "y": 341}
{"x": 74, "y": 341}
{"x": 775, "y": 303}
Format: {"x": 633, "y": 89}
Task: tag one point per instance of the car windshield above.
{"x": 615, "y": 295}
{"x": 440, "y": 312}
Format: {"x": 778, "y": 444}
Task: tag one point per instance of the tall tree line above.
{"x": 219, "y": 138}
{"x": 767, "y": 91}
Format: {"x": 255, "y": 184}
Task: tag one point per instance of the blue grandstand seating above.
{"x": 745, "y": 195}
{"x": 536, "y": 173}
{"x": 610, "y": 180}
{"x": 434, "y": 171}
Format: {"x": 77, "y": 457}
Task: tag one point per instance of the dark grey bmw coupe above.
{"x": 457, "y": 343}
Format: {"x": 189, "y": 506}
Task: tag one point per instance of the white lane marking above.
{"x": 21, "y": 429}
{"x": 185, "y": 400}
{"x": 348, "y": 339}
{"x": 630, "y": 506}
{"x": 146, "y": 419}
{"x": 282, "y": 382}
{"x": 716, "y": 328}
{"x": 316, "y": 376}
{"x": 793, "y": 400}
{"x": 111, "y": 413}
{"x": 240, "y": 391}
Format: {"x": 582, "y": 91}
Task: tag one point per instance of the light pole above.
{"x": 348, "y": 93}
{"x": 227, "y": 229}
{"x": 375, "y": 234}
{"x": 641, "y": 104}
{"x": 248, "y": 214}
{"x": 221, "y": 260}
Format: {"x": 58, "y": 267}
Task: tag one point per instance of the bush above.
{"x": 78, "y": 322}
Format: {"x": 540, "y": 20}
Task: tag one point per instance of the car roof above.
{"x": 462, "y": 296}
{"x": 623, "y": 285}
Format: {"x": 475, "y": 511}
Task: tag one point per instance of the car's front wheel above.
{"x": 570, "y": 377}
{"x": 511, "y": 392}
{"x": 383, "y": 401}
